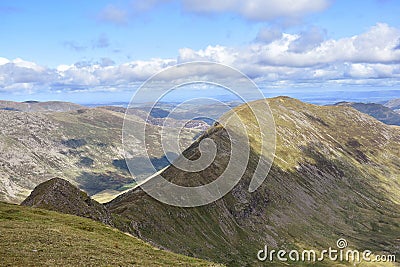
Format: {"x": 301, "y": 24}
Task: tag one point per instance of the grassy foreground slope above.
{"x": 36, "y": 237}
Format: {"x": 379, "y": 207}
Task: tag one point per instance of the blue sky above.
{"x": 98, "y": 50}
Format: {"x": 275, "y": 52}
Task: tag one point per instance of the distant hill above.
{"x": 37, "y": 237}
{"x": 393, "y": 104}
{"x": 159, "y": 116}
{"x": 82, "y": 146}
{"x": 36, "y": 106}
{"x": 378, "y": 111}
{"x": 335, "y": 175}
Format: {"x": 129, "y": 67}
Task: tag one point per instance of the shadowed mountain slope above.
{"x": 378, "y": 111}
{"x": 336, "y": 175}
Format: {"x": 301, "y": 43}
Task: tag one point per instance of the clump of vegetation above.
{"x": 74, "y": 143}
{"x": 86, "y": 161}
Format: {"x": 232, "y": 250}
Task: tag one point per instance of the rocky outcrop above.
{"x": 60, "y": 195}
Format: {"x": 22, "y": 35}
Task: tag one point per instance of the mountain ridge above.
{"x": 335, "y": 175}
{"x": 380, "y": 112}
{"x": 393, "y": 104}
{"x": 37, "y": 106}
{"x": 334, "y": 169}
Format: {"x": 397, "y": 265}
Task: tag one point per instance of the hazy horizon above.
{"x": 321, "y": 98}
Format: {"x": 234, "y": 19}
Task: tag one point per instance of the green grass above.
{"x": 36, "y": 237}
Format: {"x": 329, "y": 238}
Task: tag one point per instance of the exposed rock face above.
{"x": 60, "y": 195}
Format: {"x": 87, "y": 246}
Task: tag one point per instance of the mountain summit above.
{"x": 335, "y": 175}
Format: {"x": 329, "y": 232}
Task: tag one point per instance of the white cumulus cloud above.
{"x": 308, "y": 56}
{"x": 289, "y": 59}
